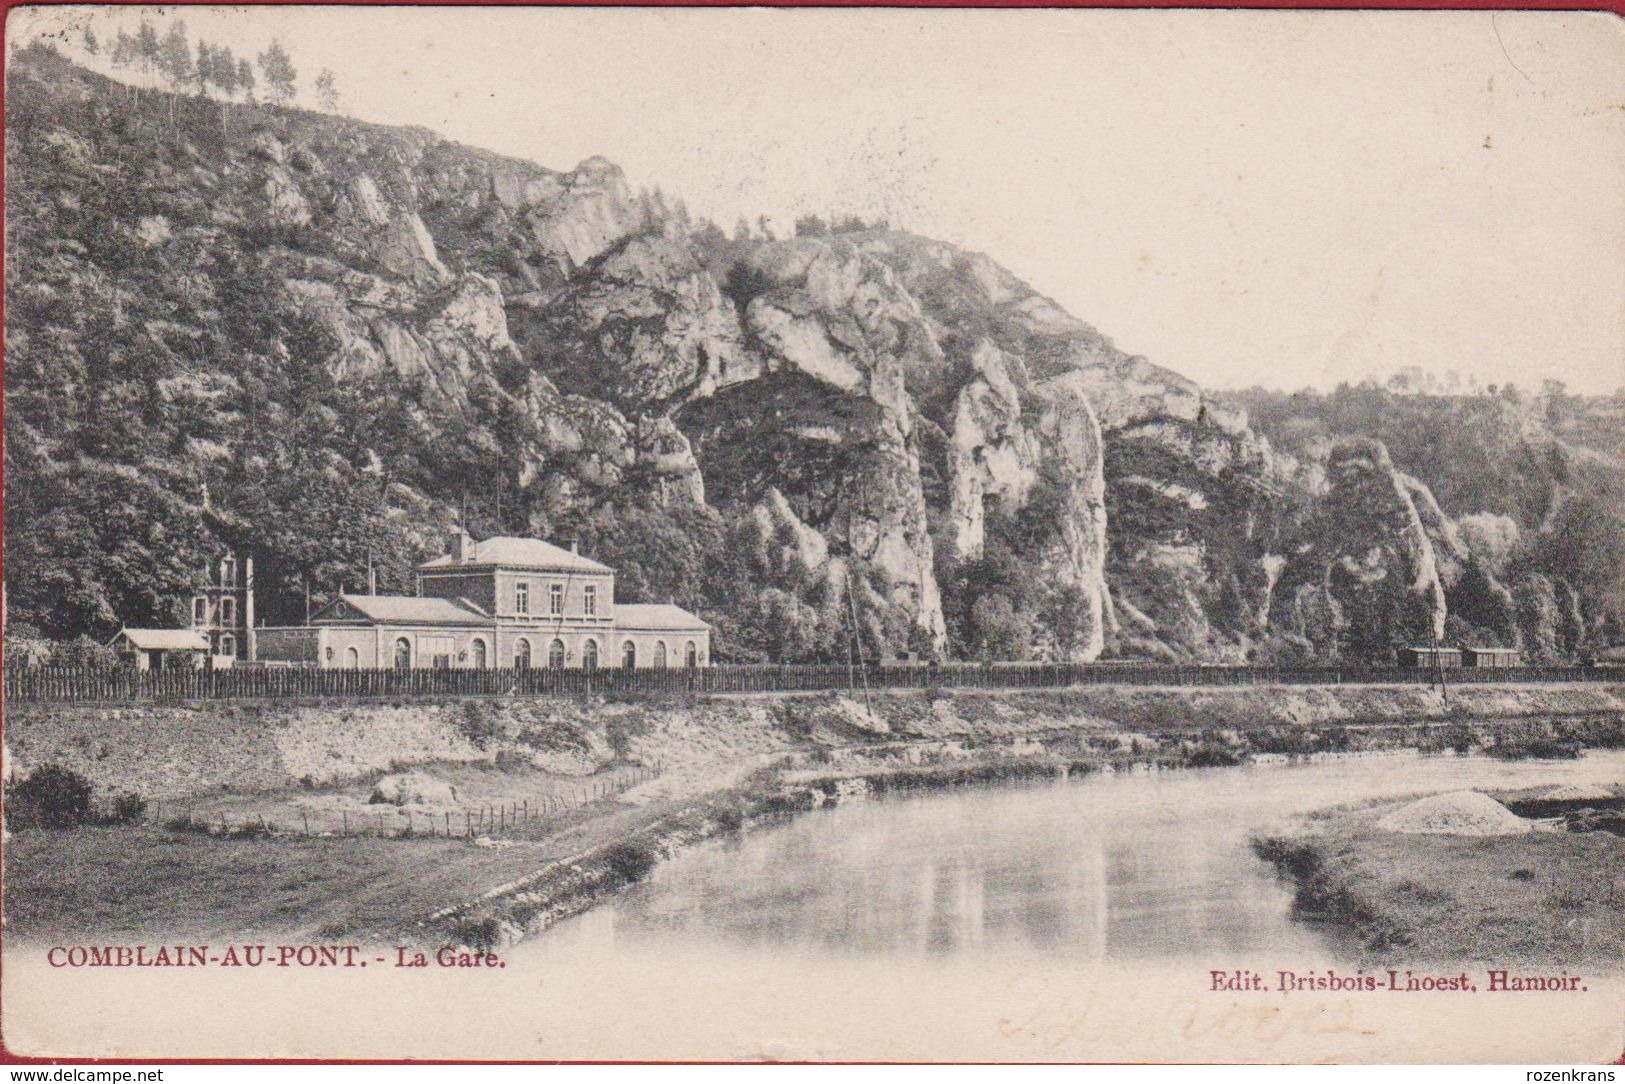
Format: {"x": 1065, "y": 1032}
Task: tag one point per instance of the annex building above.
{"x": 497, "y": 603}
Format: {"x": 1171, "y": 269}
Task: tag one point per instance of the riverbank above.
{"x": 718, "y": 764}
{"x": 1549, "y": 896}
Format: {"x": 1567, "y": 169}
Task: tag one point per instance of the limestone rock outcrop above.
{"x": 898, "y": 434}
{"x": 1367, "y": 579}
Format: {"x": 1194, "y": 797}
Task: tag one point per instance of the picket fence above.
{"x": 66, "y": 685}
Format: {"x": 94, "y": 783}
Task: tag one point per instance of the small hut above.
{"x": 1486, "y": 658}
{"x": 1430, "y": 658}
{"x": 1610, "y": 656}
{"x": 161, "y": 649}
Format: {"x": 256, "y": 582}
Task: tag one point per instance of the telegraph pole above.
{"x": 852, "y": 606}
{"x": 1438, "y": 663}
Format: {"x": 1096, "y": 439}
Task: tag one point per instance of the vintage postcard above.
{"x": 814, "y": 535}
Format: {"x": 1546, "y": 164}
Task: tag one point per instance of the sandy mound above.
{"x": 1460, "y": 813}
{"x": 1578, "y": 792}
{"x": 413, "y": 788}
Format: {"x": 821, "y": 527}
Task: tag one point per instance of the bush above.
{"x": 1211, "y": 756}
{"x": 631, "y": 860}
{"x": 729, "y": 818}
{"x": 128, "y": 808}
{"x": 1538, "y": 748}
{"x": 480, "y": 723}
{"x": 52, "y": 796}
{"x": 251, "y": 830}
{"x": 84, "y": 654}
{"x": 482, "y": 935}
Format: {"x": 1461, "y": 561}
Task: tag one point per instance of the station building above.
{"x": 497, "y": 603}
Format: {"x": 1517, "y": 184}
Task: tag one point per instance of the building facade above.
{"x": 499, "y": 603}
{"x": 223, "y": 609}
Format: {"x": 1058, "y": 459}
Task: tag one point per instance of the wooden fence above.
{"x": 509, "y": 816}
{"x": 63, "y": 685}
{"x": 542, "y": 801}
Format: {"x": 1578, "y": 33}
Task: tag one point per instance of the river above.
{"x": 1075, "y": 921}
{"x": 965, "y": 893}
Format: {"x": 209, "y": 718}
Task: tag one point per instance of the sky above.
{"x": 1281, "y": 198}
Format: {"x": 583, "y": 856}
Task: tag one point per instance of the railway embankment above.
{"x": 174, "y": 751}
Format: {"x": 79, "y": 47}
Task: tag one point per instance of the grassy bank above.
{"x": 1548, "y": 897}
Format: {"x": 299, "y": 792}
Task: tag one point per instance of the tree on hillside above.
{"x": 90, "y": 45}
{"x": 245, "y": 78}
{"x": 175, "y": 57}
{"x": 327, "y": 91}
{"x": 124, "y": 50}
{"x": 225, "y": 71}
{"x": 280, "y": 76}
{"x": 216, "y": 67}
{"x": 148, "y": 48}
{"x": 203, "y": 71}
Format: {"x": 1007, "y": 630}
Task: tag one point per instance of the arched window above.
{"x": 660, "y": 655}
{"x": 691, "y": 655}
{"x": 403, "y": 654}
{"x": 352, "y": 659}
{"x": 228, "y": 572}
{"x": 589, "y": 655}
{"x": 629, "y": 655}
{"x": 477, "y": 648}
{"x": 555, "y": 654}
{"x": 521, "y": 655}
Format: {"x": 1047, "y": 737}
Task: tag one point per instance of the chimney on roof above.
{"x": 461, "y": 546}
{"x": 573, "y": 546}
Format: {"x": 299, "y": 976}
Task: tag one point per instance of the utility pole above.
{"x": 852, "y": 606}
{"x": 1438, "y": 663}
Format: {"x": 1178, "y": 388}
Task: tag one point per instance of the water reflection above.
{"x": 1143, "y": 867}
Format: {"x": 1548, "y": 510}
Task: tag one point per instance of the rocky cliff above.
{"x": 319, "y": 341}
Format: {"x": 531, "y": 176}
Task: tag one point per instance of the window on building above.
{"x": 589, "y": 655}
{"x": 691, "y": 655}
{"x": 521, "y": 598}
{"x": 200, "y": 611}
{"x": 589, "y": 600}
{"x": 555, "y": 598}
{"x": 555, "y": 654}
{"x": 228, "y": 572}
{"x": 352, "y": 658}
{"x": 629, "y": 655}
{"x": 521, "y": 655}
{"x": 660, "y": 656}
{"x": 477, "y": 649}
{"x": 228, "y": 611}
{"x": 228, "y": 646}
{"x": 403, "y": 654}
